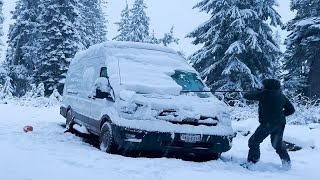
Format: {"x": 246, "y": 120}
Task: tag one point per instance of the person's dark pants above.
{"x": 262, "y": 132}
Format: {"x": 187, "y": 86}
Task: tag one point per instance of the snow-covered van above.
{"x": 137, "y": 96}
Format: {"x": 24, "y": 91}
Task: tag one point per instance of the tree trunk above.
{"x": 314, "y": 78}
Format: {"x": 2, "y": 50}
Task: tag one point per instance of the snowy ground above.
{"x": 49, "y": 153}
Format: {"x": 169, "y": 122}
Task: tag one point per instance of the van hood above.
{"x": 179, "y": 109}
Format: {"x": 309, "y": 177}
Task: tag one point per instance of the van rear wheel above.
{"x": 106, "y": 139}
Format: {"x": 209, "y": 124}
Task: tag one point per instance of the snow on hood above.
{"x": 186, "y": 106}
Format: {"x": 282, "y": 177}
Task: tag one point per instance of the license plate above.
{"x": 190, "y": 138}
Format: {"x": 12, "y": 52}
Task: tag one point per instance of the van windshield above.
{"x": 190, "y": 82}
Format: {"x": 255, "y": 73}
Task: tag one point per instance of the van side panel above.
{"x": 79, "y": 88}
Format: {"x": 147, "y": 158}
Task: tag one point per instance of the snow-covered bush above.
{"x": 55, "y": 97}
{"x": 242, "y": 111}
{"x": 35, "y": 97}
{"x": 32, "y": 93}
{"x": 307, "y": 111}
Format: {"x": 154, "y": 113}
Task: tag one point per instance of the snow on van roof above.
{"x": 98, "y": 49}
{"x": 137, "y": 45}
{"x": 138, "y": 67}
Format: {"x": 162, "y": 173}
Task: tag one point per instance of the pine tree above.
{"x": 124, "y": 25}
{"x": 276, "y": 67}
{"x": 91, "y": 22}
{"x": 238, "y": 47}
{"x": 1, "y": 25}
{"x": 31, "y": 93}
{"x": 153, "y": 39}
{"x": 22, "y": 44}
{"x": 139, "y": 22}
{"x": 40, "y": 91}
{"x": 303, "y": 48}
{"x": 3, "y": 74}
{"x": 169, "y": 38}
{"x": 7, "y": 89}
{"x": 60, "y": 40}
{"x": 55, "y": 96}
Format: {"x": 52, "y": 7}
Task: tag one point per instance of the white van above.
{"x": 138, "y": 96}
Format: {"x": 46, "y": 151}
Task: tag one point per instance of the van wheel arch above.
{"x": 69, "y": 120}
{"x": 68, "y": 108}
{"x": 105, "y": 119}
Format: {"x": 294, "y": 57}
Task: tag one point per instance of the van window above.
{"x": 88, "y": 78}
{"x": 104, "y": 72}
{"x": 74, "y": 79}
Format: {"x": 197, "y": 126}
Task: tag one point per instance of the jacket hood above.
{"x": 271, "y": 84}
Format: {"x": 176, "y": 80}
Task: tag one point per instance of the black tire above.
{"x": 69, "y": 121}
{"x": 215, "y": 156}
{"x": 106, "y": 139}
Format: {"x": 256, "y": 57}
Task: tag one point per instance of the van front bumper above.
{"x": 134, "y": 139}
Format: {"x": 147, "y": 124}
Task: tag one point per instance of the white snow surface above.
{"x": 49, "y": 153}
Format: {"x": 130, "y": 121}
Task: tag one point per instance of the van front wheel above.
{"x": 106, "y": 139}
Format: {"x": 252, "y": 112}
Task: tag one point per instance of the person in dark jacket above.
{"x": 274, "y": 106}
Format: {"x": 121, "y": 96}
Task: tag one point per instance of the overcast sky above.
{"x": 164, "y": 14}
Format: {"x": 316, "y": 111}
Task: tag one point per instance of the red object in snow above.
{"x": 28, "y": 129}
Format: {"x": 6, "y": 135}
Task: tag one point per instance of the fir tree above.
{"x": 92, "y": 23}
{"x": 1, "y": 25}
{"x": 3, "y": 74}
{"x": 169, "y": 38}
{"x": 7, "y": 89}
{"x": 238, "y": 47}
{"x": 31, "y": 93}
{"x": 153, "y": 39}
{"x": 139, "y": 22}
{"x": 40, "y": 91}
{"x": 134, "y": 26}
{"x": 55, "y": 96}
{"x": 276, "y": 67}
{"x": 22, "y": 44}
{"x": 124, "y": 25}
{"x": 60, "y": 40}
{"x": 303, "y": 48}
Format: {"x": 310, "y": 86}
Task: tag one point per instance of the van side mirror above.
{"x": 102, "y": 88}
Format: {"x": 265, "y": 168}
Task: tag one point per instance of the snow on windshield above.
{"x": 146, "y": 71}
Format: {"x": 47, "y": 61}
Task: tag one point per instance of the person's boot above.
{"x": 286, "y": 165}
{"x": 247, "y": 165}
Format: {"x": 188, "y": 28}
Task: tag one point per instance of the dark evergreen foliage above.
{"x": 22, "y": 44}
{"x": 59, "y": 42}
{"x": 238, "y": 47}
{"x": 302, "y": 62}
{"x": 45, "y": 37}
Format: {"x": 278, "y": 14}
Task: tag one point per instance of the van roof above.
{"x": 137, "y": 45}
{"x": 99, "y": 49}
